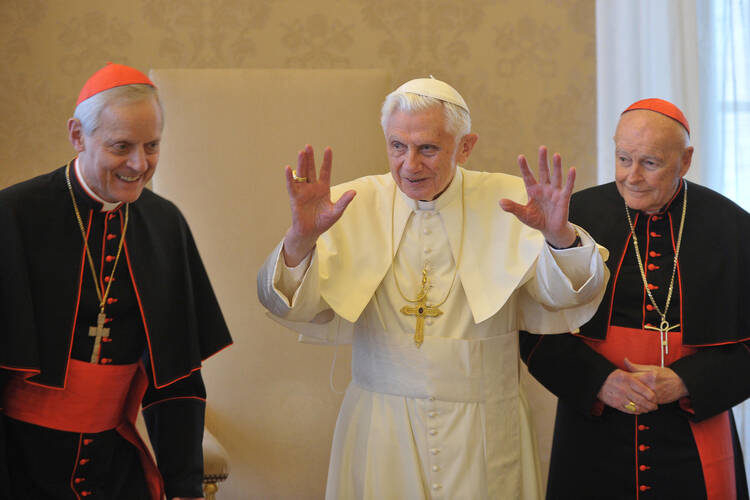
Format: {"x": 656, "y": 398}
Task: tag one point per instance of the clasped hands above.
{"x": 645, "y": 386}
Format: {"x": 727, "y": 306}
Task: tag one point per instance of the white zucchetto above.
{"x": 430, "y": 87}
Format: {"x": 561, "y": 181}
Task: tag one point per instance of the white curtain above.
{"x": 644, "y": 48}
{"x": 724, "y": 41}
{"x": 693, "y": 53}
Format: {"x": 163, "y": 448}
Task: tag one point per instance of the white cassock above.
{"x": 445, "y": 420}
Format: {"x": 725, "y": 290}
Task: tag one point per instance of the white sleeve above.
{"x": 290, "y": 278}
{"x": 294, "y": 300}
{"x": 565, "y": 289}
{"x": 282, "y": 296}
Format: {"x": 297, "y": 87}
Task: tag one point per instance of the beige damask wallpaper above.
{"x": 526, "y": 67}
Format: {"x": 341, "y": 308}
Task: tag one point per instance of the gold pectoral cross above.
{"x": 98, "y": 331}
{"x": 421, "y": 310}
{"x": 663, "y": 329}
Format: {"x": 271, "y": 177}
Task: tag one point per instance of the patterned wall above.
{"x": 526, "y": 67}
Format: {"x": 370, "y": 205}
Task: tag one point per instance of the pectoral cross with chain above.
{"x": 421, "y": 310}
{"x": 663, "y": 329}
{"x": 99, "y": 332}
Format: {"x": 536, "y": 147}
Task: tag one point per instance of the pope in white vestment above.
{"x": 438, "y": 417}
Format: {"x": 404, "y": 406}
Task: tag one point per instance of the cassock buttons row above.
{"x": 643, "y": 467}
{"x": 81, "y": 479}
{"x": 432, "y": 414}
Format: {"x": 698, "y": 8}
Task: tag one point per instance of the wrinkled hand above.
{"x": 547, "y": 208}
{"x": 622, "y": 387}
{"x": 663, "y": 381}
{"x": 313, "y": 212}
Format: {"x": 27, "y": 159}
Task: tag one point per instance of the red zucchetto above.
{"x": 110, "y": 76}
{"x": 666, "y": 108}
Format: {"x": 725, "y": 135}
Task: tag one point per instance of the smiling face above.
{"x": 119, "y": 158}
{"x": 422, "y": 154}
{"x": 651, "y": 156}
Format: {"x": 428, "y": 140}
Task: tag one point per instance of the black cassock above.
{"x": 162, "y": 312}
{"x": 599, "y": 452}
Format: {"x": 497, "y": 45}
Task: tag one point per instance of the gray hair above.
{"x": 89, "y": 111}
{"x": 457, "y": 119}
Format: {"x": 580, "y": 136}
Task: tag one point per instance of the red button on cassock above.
{"x": 644, "y": 467}
{"x": 649, "y": 307}
{"x": 111, "y": 300}
{"x": 652, "y": 267}
{"x": 652, "y": 287}
{"x": 109, "y": 258}
{"x": 643, "y": 447}
{"x": 654, "y": 234}
{"x": 654, "y": 254}
{"x": 643, "y": 427}
{"x": 643, "y": 487}
{"x": 83, "y": 461}
{"x": 87, "y": 442}
{"x": 79, "y": 480}
{"x": 111, "y": 236}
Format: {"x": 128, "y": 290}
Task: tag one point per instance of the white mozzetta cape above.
{"x": 445, "y": 420}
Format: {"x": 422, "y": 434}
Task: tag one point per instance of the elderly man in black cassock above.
{"x": 646, "y": 387}
{"x": 104, "y": 307}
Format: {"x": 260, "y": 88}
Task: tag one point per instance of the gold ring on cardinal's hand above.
{"x": 296, "y": 178}
{"x": 631, "y": 407}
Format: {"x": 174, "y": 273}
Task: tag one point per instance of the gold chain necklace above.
{"x": 421, "y": 309}
{"x": 664, "y": 326}
{"x": 97, "y": 331}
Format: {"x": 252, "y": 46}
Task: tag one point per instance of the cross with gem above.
{"x": 421, "y": 310}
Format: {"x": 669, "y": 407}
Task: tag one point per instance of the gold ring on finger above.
{"x": 631, "y": 407}
{"x": 297, "y": 178}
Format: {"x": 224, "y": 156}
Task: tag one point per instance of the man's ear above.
{"x": 76, "y": 135}
{"x": 685, "y": 161}
{"x": 465, "y": 146}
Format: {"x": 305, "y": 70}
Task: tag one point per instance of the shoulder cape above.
{"x": 41, "y": 261}
{"x": 355, "y": 254}
{"x": 714, "y": 265}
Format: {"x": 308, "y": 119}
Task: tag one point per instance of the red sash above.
{"x": 713, "y": 436}
{"x": 96, "y": 398}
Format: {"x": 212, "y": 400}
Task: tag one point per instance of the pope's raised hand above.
{"x": 313, "y": 212}
{"x": 547, "y": 208}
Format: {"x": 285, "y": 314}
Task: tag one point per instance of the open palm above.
{"x": 313, "y": 212}
{"x": 548, "y": 200}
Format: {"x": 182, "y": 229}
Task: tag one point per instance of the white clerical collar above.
{"x": 442, "y": 201}
{"x": 106, "y": 205}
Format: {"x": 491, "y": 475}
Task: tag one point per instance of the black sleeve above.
{"x": 175, "y": 417}
{"x": 716, "y": 378}
{"x": 566, "y": 366}
{"x": 4, "y": 478}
